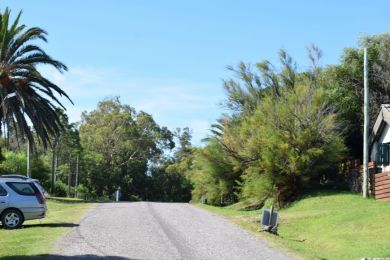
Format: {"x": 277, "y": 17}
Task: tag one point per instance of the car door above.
{"x": 3, "y": 198}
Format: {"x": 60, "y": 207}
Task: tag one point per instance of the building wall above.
{"x": 384, "y": 138}
{"x": 382, "y": 186}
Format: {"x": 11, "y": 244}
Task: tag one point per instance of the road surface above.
{"x": 147, "y": 230}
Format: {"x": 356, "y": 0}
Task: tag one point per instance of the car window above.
{"x": 3, "y": 192}
{"x": 39, "y": 186}
{"x": 22, "y": 188}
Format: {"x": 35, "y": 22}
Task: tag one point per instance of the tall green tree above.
{"x": 119, "y": 146}
{"x": 280, "y": 138}
{"x": 298, "y": 141}
{"x": 65, "y": 148}
{"x": 346, "y": 81}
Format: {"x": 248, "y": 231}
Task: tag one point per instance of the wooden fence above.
{"x": 382, "y": 186}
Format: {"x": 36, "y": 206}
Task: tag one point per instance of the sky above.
{"x": 168, "y": 58}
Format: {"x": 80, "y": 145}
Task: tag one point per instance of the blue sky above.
{"x": 168, "y": 58}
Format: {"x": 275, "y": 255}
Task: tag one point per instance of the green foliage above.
{"x": 16, "y": 163}
{"x": 346, "y": 87}
{"x": 213, "y": 175}
{"x": 119, "y": 146}
{"x": 255, "y": 187}
{"x": 298, "y": 141}
{"x": 40, "y": 170}
{"x": 170, "y": 184}
{"x": 168, "y": 179}
{"x": 82, "y": 192}
{"x": 61, "y": 189}
{"x": 281, "y": 137}
{"x": 287, "y": 129}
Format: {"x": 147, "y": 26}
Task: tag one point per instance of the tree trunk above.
{"x": 69, "y": 176}
{"x": 53, "y": 164}
{"x": 53, "y": 167}
{"x": 77, "y": 176}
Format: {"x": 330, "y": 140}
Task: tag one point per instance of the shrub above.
{"x": 61, "y": 189}
{"x": 297, "y": 139}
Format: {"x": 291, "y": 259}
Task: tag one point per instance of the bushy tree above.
{"x": 280, "y": 137}
{"x": 119, "y": 146}
{"x": 298, "y": 141}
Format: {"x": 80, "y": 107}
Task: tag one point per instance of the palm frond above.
{"x": 35, "y": 98}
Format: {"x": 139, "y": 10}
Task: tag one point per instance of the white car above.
{"x": 20, "y": 200}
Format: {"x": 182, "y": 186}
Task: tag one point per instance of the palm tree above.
{"x": 26, "y": 95}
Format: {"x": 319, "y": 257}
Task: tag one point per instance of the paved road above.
{"x": 146, "y": 230}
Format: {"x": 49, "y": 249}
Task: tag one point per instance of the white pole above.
{"x": 366, "y": 127}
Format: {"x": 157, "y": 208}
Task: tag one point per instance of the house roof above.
{"x": 381, "y": 120}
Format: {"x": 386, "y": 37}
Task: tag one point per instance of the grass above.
{"x": 37, "y": 237}
{"x": 325, "y": 226}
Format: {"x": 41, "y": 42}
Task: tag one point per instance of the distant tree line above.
{"x": 113, "y": 147}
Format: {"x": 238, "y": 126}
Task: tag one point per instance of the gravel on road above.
{"x": 149, "y": 230}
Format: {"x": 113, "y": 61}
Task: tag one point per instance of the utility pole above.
{"x": 77, "y": 175}
{"x": 366, "y": 127}
{"x": 28, "y": 160}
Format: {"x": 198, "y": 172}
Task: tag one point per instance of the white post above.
{"x": 117, "y": 195}
{"x": 366, "y": 127}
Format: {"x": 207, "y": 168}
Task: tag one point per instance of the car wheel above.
{"x": 12, "y": 219}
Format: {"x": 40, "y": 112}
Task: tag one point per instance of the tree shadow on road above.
{"x": 59, "y": 257}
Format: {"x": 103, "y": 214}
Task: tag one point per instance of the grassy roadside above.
{"x": 37, "y": 237}
{"x": 325, "y": 226}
